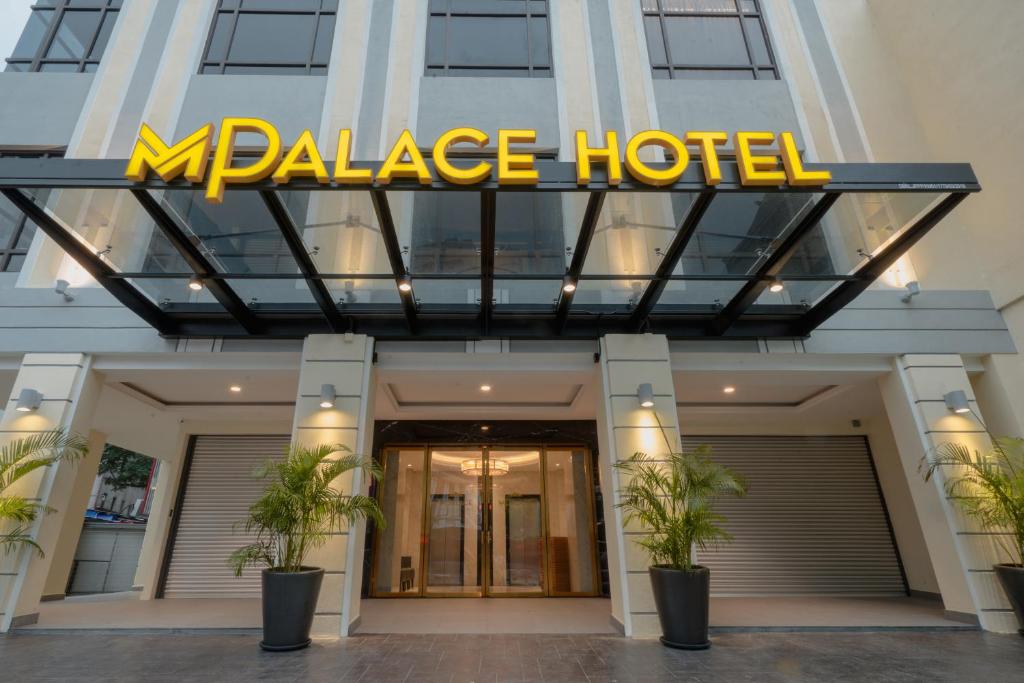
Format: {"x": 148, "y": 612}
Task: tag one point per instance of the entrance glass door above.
{"x": 486, "y": 521}
{"x": 515, "y": 522}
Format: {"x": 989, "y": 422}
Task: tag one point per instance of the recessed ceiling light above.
{"x": 235, "y": 389}
{"x": 729, "y": 390}
{"x": 776, "y": 286}
{"x": 485, "y": 387}
{"x": 568, "y": 284}
{"x": 485, "y": 428}
{"x": 405, "y": 285}
{"x": 195, "y": 284}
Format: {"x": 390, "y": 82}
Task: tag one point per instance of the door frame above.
{"x": 485, "y": 558}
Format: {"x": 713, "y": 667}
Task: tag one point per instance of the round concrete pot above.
{"x": 1012, "y": 578}
{"x": 289, "y": 600}
{"x": 682, "y": 599}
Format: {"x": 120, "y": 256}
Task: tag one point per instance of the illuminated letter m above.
{"x": 188, "y": 157}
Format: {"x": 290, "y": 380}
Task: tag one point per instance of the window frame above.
{"x": 435, "y": 70}
{"x": 210, "y": 67}
{"x": 753, "y": 67}
{"x": 59, "y": 9}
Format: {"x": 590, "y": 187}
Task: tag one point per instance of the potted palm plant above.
{"x": 18, "y": 459}
{"x": 990, "y": 489}
{"x": 674, "y": 501}
{"x": 296, "y": 513}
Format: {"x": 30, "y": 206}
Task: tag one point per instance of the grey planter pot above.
{"x": 289, "y": 600}
{"x": 682, "y": 599}
{"x": 1012, "y": 578}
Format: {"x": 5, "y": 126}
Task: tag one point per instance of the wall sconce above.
{"x": 956, "y": 402}
{"x": 327, "y": 396}
{"x": 913, "y": 289}
{"x": 28, "y": 401}
{"x": 645, "y": 395}
{"x": 63, "y": 288}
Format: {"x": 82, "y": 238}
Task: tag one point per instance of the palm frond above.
{"x": 988, "y": 487}
{"x": 301, "y": 505}
{"x": 673, "y": 500}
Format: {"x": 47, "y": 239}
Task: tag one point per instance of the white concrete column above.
{"x": 74, "y": 514}
{"x": 625, "y": 428}
{"x": 962, "y": 554}
{"x": 346, "y": 361}
{"x": 70, "y": 389}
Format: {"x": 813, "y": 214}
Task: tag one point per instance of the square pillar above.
{"x": 346, "y": 361}
{"x": 961, "y": 552}
{"x": 625, "y": 428}
{"x": 70, "y": 389}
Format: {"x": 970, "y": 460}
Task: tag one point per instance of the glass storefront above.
{"x": 486, "y": 521}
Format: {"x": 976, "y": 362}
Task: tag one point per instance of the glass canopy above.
{"x": 455, "y": 262}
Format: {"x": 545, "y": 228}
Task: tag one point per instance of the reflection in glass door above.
{"x": 515, "y": 522}
{"x": 454, "y": 535}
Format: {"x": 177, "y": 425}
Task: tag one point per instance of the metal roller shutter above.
{"x": 219, "y": 490}
{"x": 813, "y": 522}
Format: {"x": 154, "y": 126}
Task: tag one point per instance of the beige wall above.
{"x": 941, "y": 80}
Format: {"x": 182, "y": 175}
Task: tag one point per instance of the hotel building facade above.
{"x": 486, "y": 342}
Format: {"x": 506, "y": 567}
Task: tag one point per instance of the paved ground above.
{"x": 762, "y": 657}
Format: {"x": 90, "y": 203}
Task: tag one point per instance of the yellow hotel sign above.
{"x": 776, "y": 161}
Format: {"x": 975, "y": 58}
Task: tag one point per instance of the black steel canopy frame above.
{"x": 738, "y": 318}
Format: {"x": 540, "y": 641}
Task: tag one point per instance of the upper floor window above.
{"x": 65, "y": 35}
{"x": 270, "y": 37}
{"x": 488, "y": 38}
{"x": 710, "y": 39}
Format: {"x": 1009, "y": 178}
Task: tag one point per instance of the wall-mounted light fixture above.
{"x": 645, "y": 395}
{"x": 956, "y": 401}
{"x": 28, "y": 401}
{"x": 568, "y": 284}
{"x": 63, "y": 287}
{"x": 913, "y": 289}
{"x": 327, "y": 396}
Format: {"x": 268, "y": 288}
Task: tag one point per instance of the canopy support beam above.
{"x": 842, "y": 295}
{"x": 579, "y": 257}
{"x": 771, "y": 266}
{"x": 488, "y": 220}
{"x": 317, "y": 288}
{"x": 687, "y": 227}
{"x": 197, "y": 261}
{"x": 123, "y": 291}
{"x": 394, "y": 251}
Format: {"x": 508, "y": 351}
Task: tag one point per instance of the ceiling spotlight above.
{"x": 62, "y": 287}
{"x": 645, "y": 395}
{"x": 327, "y": 396}
{"x": 568, "y": 284}
{"x": 235, "y": 389}
{"x": 729, "y": 390}
{"x": 195, "y": 284}
{"x": 485, "y": 428}
{"x": 775, "y": 286}
{"x": 956, "y": 401}
{"x": 405, "y": 284}
{"x": 485, "y": 388}
{"x": 28, "y": 401}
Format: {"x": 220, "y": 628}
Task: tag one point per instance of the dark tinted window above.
{"x": 65, "y": 35}
{"x": 271, "y": 37}
{"x": 709, "y": 39}
{"x": 488, "y": 38}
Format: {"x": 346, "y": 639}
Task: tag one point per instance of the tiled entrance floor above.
{"x": 494, "y": 615}
{"x": 764, "y": 657}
